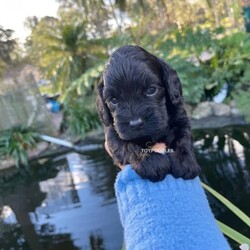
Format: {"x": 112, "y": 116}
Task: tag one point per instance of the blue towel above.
{"x": 173, "y": 214}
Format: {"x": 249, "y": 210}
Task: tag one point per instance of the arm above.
{"x": 172, "y": 214}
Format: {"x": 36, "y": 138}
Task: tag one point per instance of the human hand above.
{"x": 159, "y": 148}
{"x": 108, "y": 151}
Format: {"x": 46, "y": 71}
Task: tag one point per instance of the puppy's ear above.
{"x": 172, "y": 83}
{"x": 102, "y": 108}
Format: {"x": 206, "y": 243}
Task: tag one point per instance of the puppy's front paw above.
{"x": 188, "y": 168}
{"x": 154, "y": 167}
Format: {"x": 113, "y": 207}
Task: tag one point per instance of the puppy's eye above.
{"x": 151, "y": 91}
{"x": 114, "y": 100}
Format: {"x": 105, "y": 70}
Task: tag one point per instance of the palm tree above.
{"x": 62, "y": 50}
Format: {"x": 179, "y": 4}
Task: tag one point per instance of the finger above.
{"x": 159, "y": 148}
{"x": 107, "y": 148}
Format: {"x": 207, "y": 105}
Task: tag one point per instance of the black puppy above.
{"x": 139, "y": 101}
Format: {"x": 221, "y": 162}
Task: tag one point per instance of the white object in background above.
{"x": 220, "y": 97}
{"x": 244, "y": 246}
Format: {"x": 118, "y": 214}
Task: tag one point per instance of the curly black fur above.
{"x": 139, "y": 100}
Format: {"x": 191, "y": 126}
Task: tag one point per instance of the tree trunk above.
{"x": 216, "y": 16}
{"x": 229, "y": 13}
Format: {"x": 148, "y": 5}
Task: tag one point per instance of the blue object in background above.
{"x": 246, "y": 13}
{"x": 55, "y": 106}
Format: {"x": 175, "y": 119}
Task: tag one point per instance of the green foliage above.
{"x": 205, "y": 59}
{"x": 73, "y": 62}
{"x": 193, "y": 81}
{"x": 227, "y": 61}
{"x": 189, "y": 41}
{"x": 241, "y": 215}
{"x": 241, "y": 94}
{"x": 56, "y": 48}
{"x": 71, "y": 50}
{"x": 61, "y": 49}
{"x": 8, "y": 46}
{"x": 79, "y": 103}
{"x": 182, "y": 49}
{"x": 228, "y": 204}
{"x": 16, "y": 141}
{"x": 232, "y": 60}
{"x": 231, "y": 64}
{"x": 232, "y": 234}
{"x": 84, "y": 85}
{"x": 81, "y": 116}
{"x": 242, "y": 98}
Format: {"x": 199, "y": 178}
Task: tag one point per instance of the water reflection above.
{"x": 64, "y": 210}
{"x": 96, "y": 242}
{"x": 69, "y": 202}
{"x": 224, "y": 155}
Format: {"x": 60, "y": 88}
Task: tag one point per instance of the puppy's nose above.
{"x": 136, "y": 123}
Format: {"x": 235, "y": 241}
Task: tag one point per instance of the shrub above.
{"x": 81, "y": 116}
{"x": 228, "y": 62}
{"x": 16, "y": 141}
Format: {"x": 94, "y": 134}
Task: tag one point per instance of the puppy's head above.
{"x": 138, "y": 93}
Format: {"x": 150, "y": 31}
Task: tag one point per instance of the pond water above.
{"x": 68, "y": 201}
